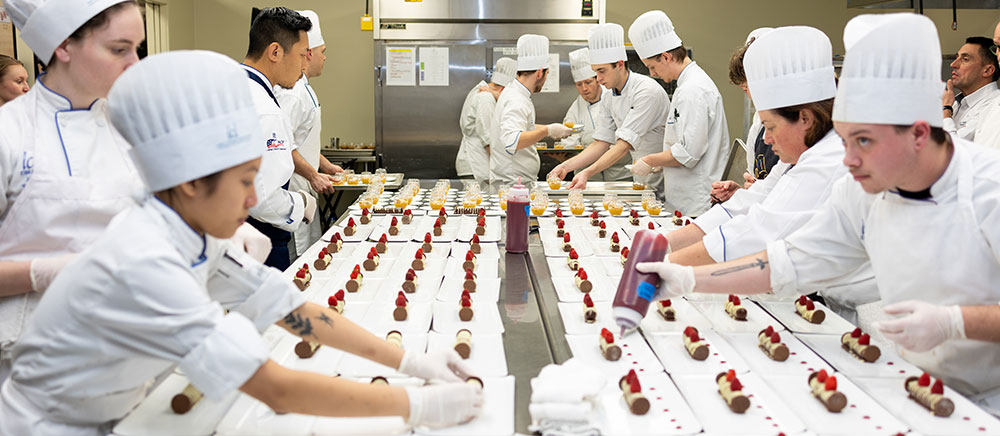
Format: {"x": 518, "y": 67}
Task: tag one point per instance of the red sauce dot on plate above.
{"x": 628, "y": 354}
{"x": 624, "y": 345}
{"x": 750, "y": 396}
{"x": 635, "y": 363}
{"x": 803, "y": 362}
{"x": 758, "y": 406}
{"x": 878, "y": 427}
{"x": 888, "y": 363}
{"x": 641, "y": 369}
{"x": 774, "y": 425}
{"x": 666, "y": 410}
{"x": 715, "y": 354}
{"x": 672, "y": 419}
{"x": 659, "y": 398}
{"x": 722, "y": 361}
{"x": 679, "y": 427}
{"x": 902, "y": 371}
{"x": 652, "y": 389}
{"x": 767, "y": 418}
{"x": 866, "y": 417}
{"x": 809, "y": 369}
{"x": 982, "y": 428}
{"x": 793, "y": 353}
{"x": 853, "y": 406}
{"x": 966, "y": 418}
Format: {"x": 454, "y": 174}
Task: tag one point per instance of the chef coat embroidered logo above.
{"x": 275, "y": 144}
{"x": 27, "y": 164}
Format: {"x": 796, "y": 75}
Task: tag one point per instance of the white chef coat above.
{"x": 475, "y": 121}
{"x": 147, "y": 296}
{"x": 746, "y": 223}
{"x": 988, "y": 131}
{"x": 698, "y": 137}
{"x": 514, "y": 113}
{"x": 301, "y": 107}
{"x": 636, "y": 115}
{"x": 970, "y": 110}
{"x": 943, "y": 250}
{"x": 64, "y": 173}
{"x": 275, "y": 205}
{"x": 583, "y": 113}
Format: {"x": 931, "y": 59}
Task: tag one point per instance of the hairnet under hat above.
{"x": 194, "y": 122}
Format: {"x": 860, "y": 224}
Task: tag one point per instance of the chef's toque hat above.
{"x": 315, "y": 35}
{"x": 194, "y": 122}
{"x": 532, "y": 52}
{"x": 892, "y": 71}
{"x": 606, "y": 43}
{"x": 653, "y": 33}
{"x": 790, "y": 66}
{"x": 757, "y": 33}
{"x": 504, "y": 72}
{"x": 45, "y": 24}
{"x": 579, "y": 64}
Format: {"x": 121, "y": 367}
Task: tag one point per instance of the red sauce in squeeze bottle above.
{"x": 636, "y": 290}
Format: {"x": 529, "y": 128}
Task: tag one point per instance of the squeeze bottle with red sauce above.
{"x": 636, "y": 290}
{"x": 518, "y": 203}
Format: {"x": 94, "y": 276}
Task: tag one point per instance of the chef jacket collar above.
{"x": 977, "y": 95}
{"x": 56, "y": 100}
{"x": 519, "y": 87}
{"x": 683, "y": 75}
{"x": 943, "y": 186}
{"x": 628, "y": 79}
{"x": 190, "y": 243}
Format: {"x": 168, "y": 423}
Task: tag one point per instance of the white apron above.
{"x": 82, "y": 177}
{"x": 307, "y": 234}
{"x": 971, "y": 367}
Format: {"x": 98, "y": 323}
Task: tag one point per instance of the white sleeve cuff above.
{"x": 227, "y": 358}
{"x": 713, "y": 218}
{"x": 949, "y": 126}
{"x": 681, "y": 155}
{"x": 715, "y": 244}
{"x": 628, "y": 136}
{"x": 783, "y": 276}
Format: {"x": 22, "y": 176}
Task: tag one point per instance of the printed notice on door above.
{"x": 400, "y": 65}
{"x": 433, "y": 66}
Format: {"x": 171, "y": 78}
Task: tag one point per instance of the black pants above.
{"x": 279, "y": 257}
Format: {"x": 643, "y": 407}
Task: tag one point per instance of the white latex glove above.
{"x": 43, "y": 270}
{"x": 252, "y": 241}
{"x": 444, "y": 405}
{"x": 310, "y": 211}
{"x": 559, "y": 131}
{"x": 923, "y": 325}
{"x": 678, "y": 280}
{"x": 641, "y": 168}
{"x": 444, "y": 364}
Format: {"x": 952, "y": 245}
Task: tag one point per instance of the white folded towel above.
{"x": 571, "y": 382}
{"x": 560, "y": 411}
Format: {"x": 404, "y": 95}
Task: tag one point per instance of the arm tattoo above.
{"x": 756, "y": 264}
{"x": 303, "y": 326}
{"x": 326, "y": 319}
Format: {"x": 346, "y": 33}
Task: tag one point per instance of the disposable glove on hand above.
{"x": 310, "y": 211}
{"x": 252, "y": 241}
{"x": 678, "y": 280}
{"x": 641, "y": 168}
{"x": 923, "y": 325}
{"x": 559, "y": 131}
{"x": 43, "y": 270}
{"x": 444, "y": 405}
{"x": 445, "y": 365}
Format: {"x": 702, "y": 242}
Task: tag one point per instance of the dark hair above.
{"x": 678, "y": 54}
{"x": 211, "y": 182}
{"x": 530, "y": 72}
{"x": 938, "y": 134}
{"x": 281, "y": 25}
{"x": 737, "y": 75}
{"x": 100, "y": 20}
{"x": 984, "y": 44}
{"x": 823, "y": 113}
{"x": 7, "y": 62}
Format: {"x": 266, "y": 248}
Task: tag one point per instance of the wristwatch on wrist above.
{"x": 948, "y": 108}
